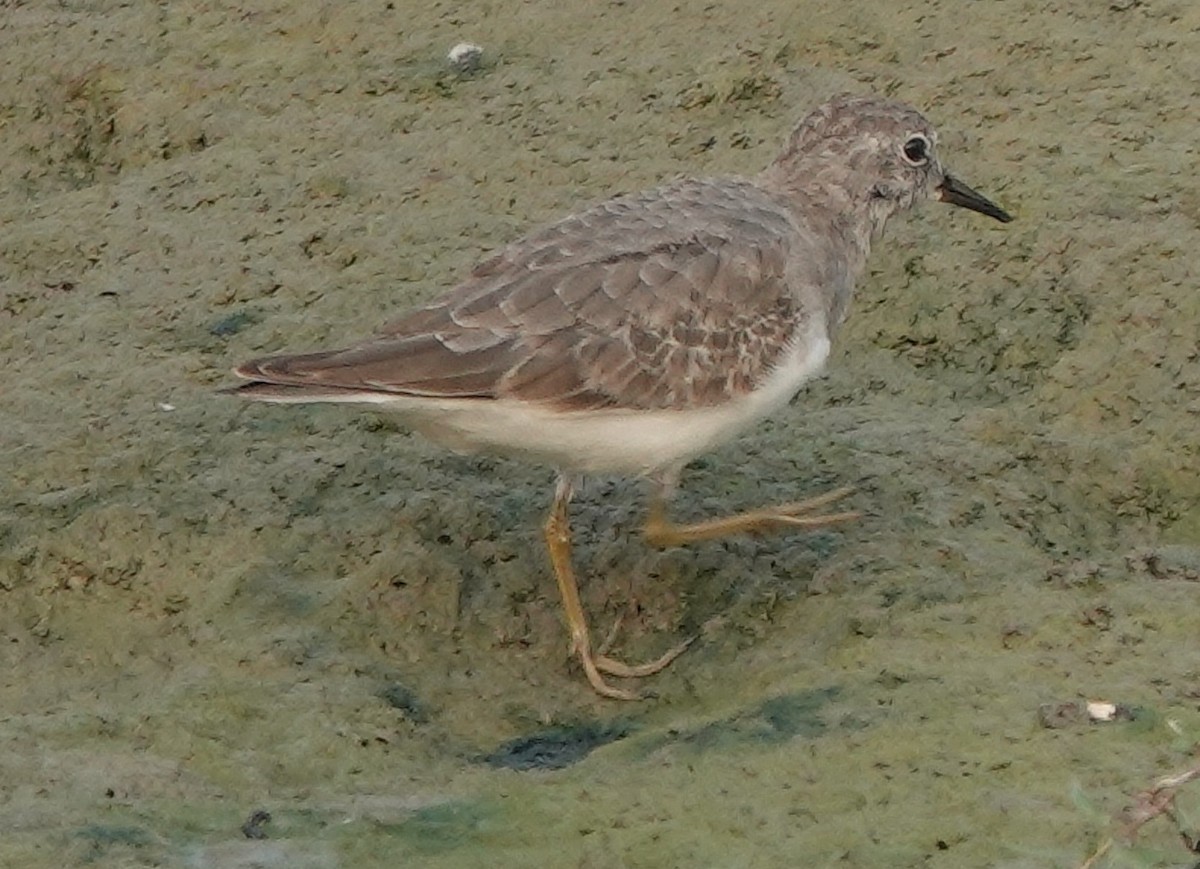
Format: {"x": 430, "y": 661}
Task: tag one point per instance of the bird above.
{"x": 643, "y": 331}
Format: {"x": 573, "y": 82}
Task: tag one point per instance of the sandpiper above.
{"x": 635, "y": 335}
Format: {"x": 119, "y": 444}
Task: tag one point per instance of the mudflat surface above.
{"x": 209, "y": 610}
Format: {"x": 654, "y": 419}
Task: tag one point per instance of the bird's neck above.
{"x": 819, "y": 195}
{"x": 846, "y": 218}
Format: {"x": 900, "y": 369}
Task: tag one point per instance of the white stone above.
{"x": 1101, "y": 711}
{"x": 465, "y": 56}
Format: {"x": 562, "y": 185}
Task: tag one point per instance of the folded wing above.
{"x": 674, "y": 298}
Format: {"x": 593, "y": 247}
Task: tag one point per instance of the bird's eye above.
{"x": 916, "y": 150}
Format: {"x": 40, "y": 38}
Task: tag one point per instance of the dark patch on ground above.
{"x": 399, "y": 696}
{"x": 231, "y": 324}
{"x": 773, "y": 721}
{"x": 556, "y": 747}
{"x": 255, "y": 826}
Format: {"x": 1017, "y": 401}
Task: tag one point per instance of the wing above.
{"x": 673, "y": 298}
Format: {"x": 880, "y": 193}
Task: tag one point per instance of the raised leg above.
{"x": 661, "y": 531}
{"x": 558, "y": 542}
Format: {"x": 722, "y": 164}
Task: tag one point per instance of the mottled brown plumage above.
{"x": 676, "y": 298}
{"x": 640, "y": 332}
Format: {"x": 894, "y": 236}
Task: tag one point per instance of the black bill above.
{"x": 956, "y": 193}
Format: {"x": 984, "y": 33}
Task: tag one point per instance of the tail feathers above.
{"x": 283, "y": 393}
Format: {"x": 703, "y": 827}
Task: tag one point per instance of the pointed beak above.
{"x": 956, "y": 193}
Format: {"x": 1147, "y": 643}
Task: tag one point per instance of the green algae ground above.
{"x": 211, "y": 610}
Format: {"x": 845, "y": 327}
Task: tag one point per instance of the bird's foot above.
{"x": 596, "y": 664}
{"x": 661, "y": 531}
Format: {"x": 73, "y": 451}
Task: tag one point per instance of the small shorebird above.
{"x": 647, "y": 329}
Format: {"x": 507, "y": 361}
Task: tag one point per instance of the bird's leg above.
{"x": 661, "y": 531}
{"x": 558, "y": 542}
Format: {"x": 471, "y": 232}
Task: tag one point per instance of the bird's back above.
{"x": 682, "y": 296}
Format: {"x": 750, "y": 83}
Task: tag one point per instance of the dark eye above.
{"x": 916, "y": 150}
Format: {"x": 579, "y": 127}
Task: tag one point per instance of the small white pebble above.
{"x": 162, "y": 405}
{"x": 1101, "y": 711}
{"x": 465, "y": 56}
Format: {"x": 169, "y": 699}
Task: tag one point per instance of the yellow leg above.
{"x": 558, "y": 542}
{"x": 661, "y": 531}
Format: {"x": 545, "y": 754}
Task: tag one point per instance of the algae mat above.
{"x": 257, "y": 636}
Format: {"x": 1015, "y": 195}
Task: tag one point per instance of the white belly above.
{"x": 606, "y": 441}
{"x": 613, "y": 441}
